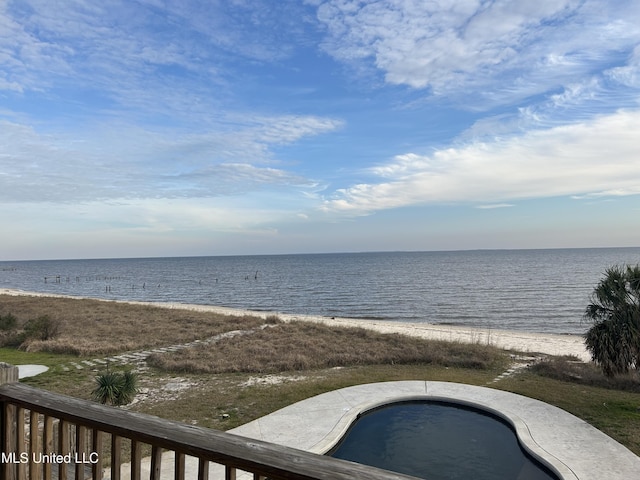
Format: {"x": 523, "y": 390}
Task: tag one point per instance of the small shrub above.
{"x": 13, "y": 339}
{"x": 115, "y": 388}
{"x": 8, "y": 322}
{"x": 9, "y": 334}
{"x": 42, "y": 328}
{"x": 108, "y": 388}
{"x": 129, "y": 387}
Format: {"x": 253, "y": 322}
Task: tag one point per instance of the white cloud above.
{"x": 494, "y": 206}
{"x": 615, "y": 192}
{"x": 139, "y": 227}
{"x": 597, "y": 157}
{"x": 484, "y": 52}
{"x": 131, "y": 162}
{"x": 146, "y": 217}
{"x": 175, "y": 59}
{"x": 6, "y": 85}
{"x": 629, "y": 74}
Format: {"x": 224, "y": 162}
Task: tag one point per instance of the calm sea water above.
{"x": 531, "y": 290}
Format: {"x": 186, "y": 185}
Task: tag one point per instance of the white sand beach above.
{"x": 551, "y": 344}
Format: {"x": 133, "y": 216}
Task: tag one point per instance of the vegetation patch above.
{"x": 297, "y": 346}
{"x": 226, "y": 400}
{"x": 21, "y": 334}
{"x": 115, "y": 388}
{"x": 570, "y": 370}
{"x": 614, "y": 338}
{"x": 84, "y": 327}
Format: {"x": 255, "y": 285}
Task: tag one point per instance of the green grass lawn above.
{"x": 224, "y": 401}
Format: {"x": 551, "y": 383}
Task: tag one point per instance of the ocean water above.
{"x": 543, "y": 291}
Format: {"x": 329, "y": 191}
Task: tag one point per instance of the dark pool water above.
{"x": 436, "y": 441}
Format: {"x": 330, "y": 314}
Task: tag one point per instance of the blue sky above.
{"x": 161, "y": 128}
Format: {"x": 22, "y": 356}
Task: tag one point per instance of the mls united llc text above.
{"x": 55, "y": 458}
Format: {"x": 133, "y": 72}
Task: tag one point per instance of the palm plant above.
{"x": 115, "y": 388}
{"x": 129, "y": 388}
{"x": 614, "y": 338}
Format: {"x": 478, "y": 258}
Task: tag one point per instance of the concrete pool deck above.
{"x": 31, "y": 370}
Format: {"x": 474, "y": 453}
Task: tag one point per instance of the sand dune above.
{"x": 551, "y": 344}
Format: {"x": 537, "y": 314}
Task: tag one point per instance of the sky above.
{"x": 141, "y": 128}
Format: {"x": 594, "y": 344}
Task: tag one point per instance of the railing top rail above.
{"x": 217, "y": 446}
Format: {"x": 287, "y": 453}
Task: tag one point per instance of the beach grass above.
{"x": 97, "y": 327}
{"x": 184, "y": 388}
{"x": 311, "y": 346}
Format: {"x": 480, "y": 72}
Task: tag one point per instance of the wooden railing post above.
{"x": 47, "y": 444}
{"x": 156, "y": 462}
{"x": 35, "y": 445}
{"x": 96, "y": 441}
{"x": 136, "y": 460}
{"x": 81, "y": 448}
{"x": 116, "y": 456}
{"x": 8, "y": 374}
{"x": 63, "y": 447}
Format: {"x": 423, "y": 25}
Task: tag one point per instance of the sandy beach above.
{"x": 551, "y": 344}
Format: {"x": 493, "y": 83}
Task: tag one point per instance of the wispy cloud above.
{"x": 130, "y": 162}
{"x": 142, "y": 100}
{"x": 494, "y": 206}
{"x": 164, "y": 58}
{"x": 141, "y": 227}
{"x": 561, "y": 161}
{"x": 483, "y": 53}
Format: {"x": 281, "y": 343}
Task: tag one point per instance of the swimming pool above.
{"x": 572, "y": 448}
{"x": 438, "y": 440}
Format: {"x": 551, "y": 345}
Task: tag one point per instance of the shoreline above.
{"x": 546, "y": 343}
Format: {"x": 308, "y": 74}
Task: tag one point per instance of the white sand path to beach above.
{"x": 551, "y": 344}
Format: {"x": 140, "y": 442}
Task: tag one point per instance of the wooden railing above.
{"x": 48, "y": 436}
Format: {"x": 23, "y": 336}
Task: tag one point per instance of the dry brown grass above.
{"x": 570, "y": 370}
{"x": 95, "y": 327}
{"x": 308, "y": 346}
